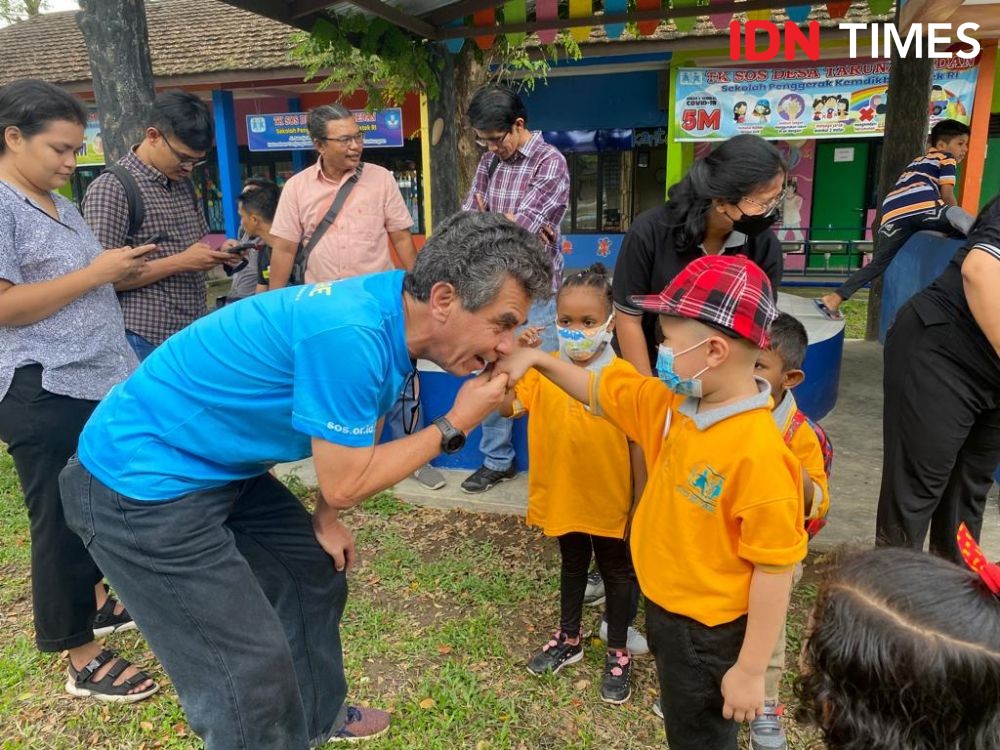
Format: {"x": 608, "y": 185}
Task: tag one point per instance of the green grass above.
{"x": 445, "y": 609}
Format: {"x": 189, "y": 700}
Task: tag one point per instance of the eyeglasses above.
{"x": 770, "y": 205}
{"x": 410, "y": 403}
{"x": 182, "y": 160}
{"x": 346, "y": 140}
{"x": 495, "y": 141}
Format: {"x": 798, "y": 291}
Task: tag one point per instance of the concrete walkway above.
{"x": 855, "y": 427}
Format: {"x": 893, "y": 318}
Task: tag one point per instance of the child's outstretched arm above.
{"x": 570, "y": 378}
{"x": 743, "y": 684}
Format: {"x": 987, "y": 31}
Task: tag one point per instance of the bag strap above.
{"x": 136, "y": 206}
{"x": 331, "y": 214}
{"x": 492, "y": 168}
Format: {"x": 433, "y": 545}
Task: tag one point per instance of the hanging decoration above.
{"x": 454, "y": 46}
{"x": 685, "y": 23}
{"x": 484, "y": 18}
{"x": 720, "y": 20}
{"x": 798, "y": 13}
{"x": 880, "y": 7}
{"x": 761, "y": 15}
{"x": 546, "y": 10}
{"x": 614, "y": 30}
{"x": 580, "y": 9}
{"x": 648, "y": 28}
{"x": 515, "y": 11}
{"x": 839, "y": 8}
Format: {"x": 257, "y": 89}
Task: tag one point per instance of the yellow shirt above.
{"x": 804, "y": 444}
{"x": 724, "y": 495}
{"x": 579, "y": 475}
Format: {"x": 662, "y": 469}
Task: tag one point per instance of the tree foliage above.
{"x": 12, "y": 11}
{"x": 360, "y": 53}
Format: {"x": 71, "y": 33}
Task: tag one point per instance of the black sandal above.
{"x": 82, "y": 685}
{"x": 107, "y": 622}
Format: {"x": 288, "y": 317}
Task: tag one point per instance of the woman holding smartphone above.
{"x": 62, "y": 348}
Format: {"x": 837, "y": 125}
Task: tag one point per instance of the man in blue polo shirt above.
{"x": 237, "y": 588}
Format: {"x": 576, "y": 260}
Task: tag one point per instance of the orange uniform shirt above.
{"x": 805, "y": 446}
{"x": 579, "y": 475}
{"x": 724, "y": 495}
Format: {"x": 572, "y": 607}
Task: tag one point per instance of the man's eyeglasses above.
{"x": 770, "y": 205}
{"x": 183, "y": 160}
{"x": 494, "y": 141}
{"x": 346, "y": 140}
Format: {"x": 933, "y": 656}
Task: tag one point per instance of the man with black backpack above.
{"x": 148, "y": 197}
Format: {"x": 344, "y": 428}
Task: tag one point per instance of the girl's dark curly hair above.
{"x": 596, "y": 276}
{"x": 903, "y": 654}
{"x": 731, "y": 172}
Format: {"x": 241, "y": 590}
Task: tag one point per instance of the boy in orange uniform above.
{"x": 781, "y": 367}
{"x": 720, "y": 525}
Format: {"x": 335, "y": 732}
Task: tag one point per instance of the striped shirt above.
{"x": 533, "y": 186}
{"x": 918, "y": 189}
{"x": 160, "y": 309}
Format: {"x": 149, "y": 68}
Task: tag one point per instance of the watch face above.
{"x": 455, "y": 443}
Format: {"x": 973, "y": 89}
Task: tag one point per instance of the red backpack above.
{"x": 814, "y": 525}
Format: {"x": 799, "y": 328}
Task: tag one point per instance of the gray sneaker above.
{"x": 636, "y": 643}
{"x": 766, "y": 732}
{"x": 429, "y": 477}
{"x": 593, "y": 595}
{"x": 658, "y": 708}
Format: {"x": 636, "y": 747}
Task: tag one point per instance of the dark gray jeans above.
{"x": 236, "y": 598}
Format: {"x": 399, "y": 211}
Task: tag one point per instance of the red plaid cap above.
{"x": 724, "y": 290}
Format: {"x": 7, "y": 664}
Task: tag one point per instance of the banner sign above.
{"x": 92, "y": 151}
{"x": 287, "y": 131}
{"x": 832, "y": 101}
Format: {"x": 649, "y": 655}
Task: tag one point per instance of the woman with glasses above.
{"x": 62, "y": 348}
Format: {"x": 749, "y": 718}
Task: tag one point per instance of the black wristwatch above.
{"x": 452, "y": 439}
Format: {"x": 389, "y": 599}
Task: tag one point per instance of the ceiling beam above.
{"x": 395, "y": 16}
{"x": 458, "y": 32}
{"x": 455, "y": 11}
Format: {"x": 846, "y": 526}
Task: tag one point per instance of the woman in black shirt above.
{"x": 941, "y": 417}
{"x": 725, "y": 204}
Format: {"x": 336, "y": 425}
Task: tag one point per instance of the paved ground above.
{"x": 855, "y": 427}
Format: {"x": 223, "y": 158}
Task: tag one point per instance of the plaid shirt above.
{"x": 533, "y": 185}
{"x": 164, "y": 307}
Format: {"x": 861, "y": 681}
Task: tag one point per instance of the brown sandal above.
{"x": 82, "y": 685}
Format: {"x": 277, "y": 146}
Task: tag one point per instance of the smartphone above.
{"x": 239, "y": 248}
{"x": 153, "y": 239}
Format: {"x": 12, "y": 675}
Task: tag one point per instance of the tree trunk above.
{"x": 454, "y": 156}
{"x": 906, "y": 121}
{"x": 118, "y": 48}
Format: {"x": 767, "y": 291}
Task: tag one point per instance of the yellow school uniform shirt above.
{"x": 724, "y": 494}
{"x": 579, "y": 476}
{"x": 804, "y": 445}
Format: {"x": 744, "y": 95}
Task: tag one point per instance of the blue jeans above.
{"x": 236, "y": 598}
{"x": 142, "y": 347}
{"x": 496, "y": 444}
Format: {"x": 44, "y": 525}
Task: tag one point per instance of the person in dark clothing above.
{"x": 941, "y": 418}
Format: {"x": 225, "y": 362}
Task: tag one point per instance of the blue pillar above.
{"x": 229, "y": 158}
{"x": 298, "y": 156}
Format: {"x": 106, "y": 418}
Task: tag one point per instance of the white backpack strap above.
{"x": 666, "y": 423}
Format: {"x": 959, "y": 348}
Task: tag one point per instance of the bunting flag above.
{"x": 515, "y": 11}
{"x": 581, "y": 9}
{"x": 798, "y": 13}
{"x": 648, "y": 28}
{"x": 684, "y": 23}
{"x": 839, "y": 8}
{"x": 454, "y": 46}
{"x": 546, "y": 10}
{"x": 614, "y": 30}
{"x": 484, "y": 18}
{"x": 880, "y": 7}
{"x": 720, "y": 20}
{"x": 764, "y": 15}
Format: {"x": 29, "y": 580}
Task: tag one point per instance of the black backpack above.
{"x": 136, "y": 205}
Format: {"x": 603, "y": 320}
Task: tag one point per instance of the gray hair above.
{"x": 476, "y": 253}
{"x": 319, "y": 117}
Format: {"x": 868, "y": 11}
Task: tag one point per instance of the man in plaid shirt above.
{"x": 170, "y": 292}
{"x": 526, "y": 179}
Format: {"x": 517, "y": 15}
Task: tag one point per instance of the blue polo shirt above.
{"x": 250, "y": 385}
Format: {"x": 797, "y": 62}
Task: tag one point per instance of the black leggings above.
{"x": 619, "y": 581}
{"x": 41, "y": 430}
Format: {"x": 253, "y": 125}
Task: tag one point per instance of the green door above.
{"x": 838, "y": 206}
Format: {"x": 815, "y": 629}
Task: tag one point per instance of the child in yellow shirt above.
{"x": 781, "y": 366}
{"x": 720, "y": 525}
{"x": 579, "y": 483}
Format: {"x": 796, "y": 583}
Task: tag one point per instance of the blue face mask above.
{"x": 665, "y": 369}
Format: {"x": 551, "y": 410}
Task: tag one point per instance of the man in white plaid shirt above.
{"x": 527, "y": 180}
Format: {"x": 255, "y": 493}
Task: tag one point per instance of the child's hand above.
{"x": 742, "y": 693}
{"x": 515, "y": 364}
{"x": 531, "y": 336}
